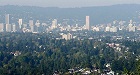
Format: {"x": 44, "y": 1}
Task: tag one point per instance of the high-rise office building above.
{"x": 14, "y": 28}
{"x": 1, "y": 27}
{"x": 54, "y": 24}
{"x": 20, "y": 23}
{"x": 55, "y": 20}
{"x": 37, "y": 23}
{"x": 87, "y": 23}
{"x": 8, "y": 27}
{"x": 131, "y": 27}
{"x": 7, "y": 19}
{"x": 31, "y": 24}
{"x": 37, "y": 26}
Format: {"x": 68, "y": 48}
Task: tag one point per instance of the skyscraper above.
{"x": 131, "y": 27}
{"x": 54, "y": 24}
{"x": 20, "y": 23}
{"x": 14, "y": 28}
{"x": 37, "y": 23}
{"x": 31, "y": 24}
{"x": 7, "y": 19}
{"x": 87, "y": 22}
{"x": 8, "y": 28}
{"x": 1, "y": 27}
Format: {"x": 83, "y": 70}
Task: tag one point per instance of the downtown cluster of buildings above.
{"x": 37, "y": 27}
{"x": 116, "y": 26}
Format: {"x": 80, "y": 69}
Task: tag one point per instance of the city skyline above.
{"x": 67, "y": 3}
{"x": 70, "y": 37}
{"x": 37, "y": 27}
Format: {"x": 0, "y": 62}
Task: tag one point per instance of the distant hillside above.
{"x": 99, "y": 14}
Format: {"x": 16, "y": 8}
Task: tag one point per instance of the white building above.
{"x": 67, "y": 36}
{"x": 107, "y": 29}
{"x": 54, "y": 24}
{"x": 14, "y": 28}
{"x": 87, "y": 23}
{"x": 7, "y": 19}
{"x": 31, "y": 24}
{"x": 96, "y": 29}
{"x": 37, "y": 23}
{"x": 111, "y": 73}
{"x": 8, "y": 27}
{"x": 131, "y": 27}
{"x": 1, "y": 27}
{"x": 113, "y": 29}
{"x": 20, "y": 23}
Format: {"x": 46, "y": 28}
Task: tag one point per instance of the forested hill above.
{"x": 98, "y": 14}
{"x": 39, "y": 54}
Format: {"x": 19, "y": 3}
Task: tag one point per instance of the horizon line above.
{"x": 68, "y": 7}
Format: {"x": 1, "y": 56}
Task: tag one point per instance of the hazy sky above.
{"x": 67, "y": 3}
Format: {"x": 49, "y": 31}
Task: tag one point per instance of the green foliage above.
{"x": 42, "y": 55}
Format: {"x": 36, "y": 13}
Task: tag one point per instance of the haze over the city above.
{"x": 69, "y": 37}
{"x": 67, "y": 3}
